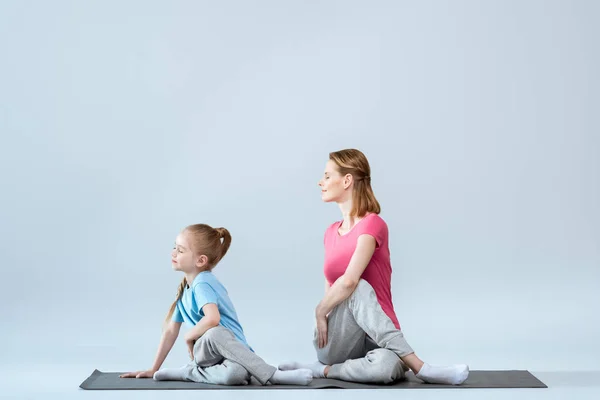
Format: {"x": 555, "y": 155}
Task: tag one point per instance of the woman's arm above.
{"x": 344, "y": 286}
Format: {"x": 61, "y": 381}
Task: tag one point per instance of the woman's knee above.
{"x": 385, "y": 366}
{"x": 326, "y": 356}
{"x": 363, "y": 284}
{"x": 323, "y": 355}
{"x": 363, "y": 288}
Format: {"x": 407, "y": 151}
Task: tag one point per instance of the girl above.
{"x": 216, "y": 344}
{"x": 357, "y": 336}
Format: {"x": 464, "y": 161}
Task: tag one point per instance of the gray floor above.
{"x": 61, "y": 382}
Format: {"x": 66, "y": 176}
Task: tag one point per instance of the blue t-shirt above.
{"x": 206, "y": 289}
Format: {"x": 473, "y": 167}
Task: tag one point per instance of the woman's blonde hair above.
{"x": 355, "y": 163}
{"x": 204, "y": 240}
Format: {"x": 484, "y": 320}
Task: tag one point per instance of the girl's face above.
{"x": 332, "y": 184}
{"x": 183, "y": 257}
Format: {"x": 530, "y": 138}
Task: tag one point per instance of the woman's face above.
{"x": 332, "y": 183}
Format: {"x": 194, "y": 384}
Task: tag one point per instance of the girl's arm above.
{"x": 167, "y": 340}
{"x": 327, "y": 286}
{"x": 211, "y": 318}
{"x": 344, "y": 286}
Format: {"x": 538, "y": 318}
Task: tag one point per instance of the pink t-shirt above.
{"x": 340, "y": 248}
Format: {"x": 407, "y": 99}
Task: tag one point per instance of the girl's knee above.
{"x": 212, "y": 332}
{"x": 232, "y": 374}
{"x": 237, "y": 376}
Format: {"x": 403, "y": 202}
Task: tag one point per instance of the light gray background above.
{"x": 122, "y": 122}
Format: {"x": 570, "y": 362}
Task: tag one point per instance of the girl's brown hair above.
{"x": 204, "y": 240}
{"x": 355, "y": 163}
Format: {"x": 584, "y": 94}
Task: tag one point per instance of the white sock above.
{"x": 318, "y": 369}
{"x": 296, "y": 377}
{"x": 448, "y": 375}
{"x": 173, "y": 374}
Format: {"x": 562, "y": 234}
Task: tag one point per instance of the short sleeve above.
{"x": 377, "y": 228}
{"x": 204, "y": 294}
{"x": 177, "y": 317}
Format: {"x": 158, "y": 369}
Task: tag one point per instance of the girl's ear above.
{"x": 201, "y": 261}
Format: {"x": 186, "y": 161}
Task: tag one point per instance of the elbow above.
{"x": 172, "y": 329}
{"x": 172, "y": 332}
{"x": 213, "y": 321}
{"x": 349, "y": 282}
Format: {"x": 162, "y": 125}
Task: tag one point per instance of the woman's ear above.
{"x": 347, "y": 181}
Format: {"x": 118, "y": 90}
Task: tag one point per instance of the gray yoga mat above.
{"x": 477, "y": 379}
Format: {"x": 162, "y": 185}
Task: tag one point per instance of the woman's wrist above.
{"x": 320, "y": 312}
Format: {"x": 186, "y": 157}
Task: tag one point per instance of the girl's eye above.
{"x": 180, "y": 251}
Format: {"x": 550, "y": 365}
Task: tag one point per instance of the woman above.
{"x": 358, "y": 336}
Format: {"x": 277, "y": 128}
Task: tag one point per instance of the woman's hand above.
{"x": 321, "y": 328}
{"x": 139, "y": 374}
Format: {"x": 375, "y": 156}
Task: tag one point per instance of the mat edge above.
{"x": 90, "y": 379}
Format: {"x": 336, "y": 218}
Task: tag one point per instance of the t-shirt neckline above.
{"x": 337, "y": 232}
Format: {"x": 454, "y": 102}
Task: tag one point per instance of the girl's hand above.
{"x": 190, "y": 345}
{"x": 139, "y": 374}
{"x": 189, "y": 342}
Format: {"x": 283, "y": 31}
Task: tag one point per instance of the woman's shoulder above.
{"x": 332, "y": 226}
{"x": 373, "y": 219}
{"x": 331, "y": 230}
